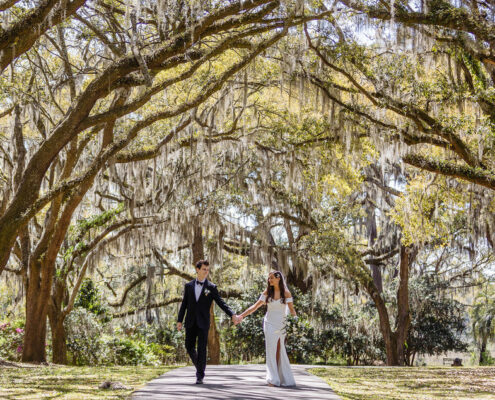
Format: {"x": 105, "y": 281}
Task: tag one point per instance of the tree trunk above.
{"x": 376, "y": 271}
{"x": 42, "y": 271}
{"x": 213, "y": 340}
{"x": 56, "y": 318}
{"x": 483, "y": 352}
{"x": 403, "y": 314}
{"x": 37, "y": 300}
{"x": 213, "y": 335}
{"x": 33, "y": 349}
{"x": 59, "y": 342}
{"x": 295, "y": 277}
{"x": 388, "y": 336}
{"x": 394, "y": 341}
{"x": 197, "y": 245}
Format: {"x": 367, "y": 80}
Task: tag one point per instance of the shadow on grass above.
{"x": 71, "y": 383}
{"x": 405, "y": 383}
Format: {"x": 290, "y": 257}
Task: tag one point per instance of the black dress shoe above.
{"x": 199, "y": 381}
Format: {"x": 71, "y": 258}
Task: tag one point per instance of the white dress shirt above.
{"x": 198, "y": 288}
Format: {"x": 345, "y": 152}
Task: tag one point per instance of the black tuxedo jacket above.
{"x": 199, "y": 311}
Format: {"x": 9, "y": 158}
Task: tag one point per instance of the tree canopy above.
{"x": 348, "y": 144}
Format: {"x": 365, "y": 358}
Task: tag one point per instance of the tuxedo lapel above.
{"x": 192, "y": 293}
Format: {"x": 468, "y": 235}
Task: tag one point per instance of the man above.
{"x": 198, "y": 296}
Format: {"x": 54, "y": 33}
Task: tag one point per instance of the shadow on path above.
{"x": 229, "y": 382}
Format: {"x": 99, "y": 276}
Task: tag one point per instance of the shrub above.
{"x": 130, "y": 352}
{"x": 89, "y": 298}
{"x": 84, "y": 344}
{"x": 11, "y": 339}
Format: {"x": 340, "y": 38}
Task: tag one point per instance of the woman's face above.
{"x": 273, "y": 280}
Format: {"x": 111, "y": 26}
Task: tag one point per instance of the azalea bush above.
{"x": 84, "y": 338}
{"x": 11, "y": 338}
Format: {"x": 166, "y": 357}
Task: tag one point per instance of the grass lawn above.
{"x": 410, "y": 383}
{"x": 60, "y": 382}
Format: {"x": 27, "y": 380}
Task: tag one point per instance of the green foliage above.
{"x": 319, "y": 333}
{"x": 486, "y": 358}
{"x": 126, "y": 351}
{"x": 246, "y": 341}
{"x": 84, "y": 343}
{"x": 483, "y": 322}
{"x": 301, "y": 345}
{"x": 78, "y": 231}
{"x": 437, "y": 322}
{"x": 89, "y": 342}
{"x": 96, "y": 221}
{"x": 11, "y": 339}
{"x": 166, "y": 342}
{"x": 89, "y": 298}
{"x": 352, "y": 335}
{"x": 163, "y": 352}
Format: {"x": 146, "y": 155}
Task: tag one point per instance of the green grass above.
{"x": 61, "y": 382}
{"x": 369, "y": 383}
{"x": 410, "y": 383}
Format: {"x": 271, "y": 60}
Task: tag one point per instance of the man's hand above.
{"x": 179, "y": 326}
{"x": 235, "y": 319}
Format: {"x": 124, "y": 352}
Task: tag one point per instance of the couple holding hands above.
{"x": 198, "y": 296}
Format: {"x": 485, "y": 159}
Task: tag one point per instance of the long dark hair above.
{"x": 271, "y": 289}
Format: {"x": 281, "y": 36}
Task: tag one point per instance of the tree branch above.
{"x": 464, "y": 172}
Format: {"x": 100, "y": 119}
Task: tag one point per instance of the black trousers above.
{"x": 198, "y": 356}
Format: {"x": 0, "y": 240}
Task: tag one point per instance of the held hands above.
{"x": 236, "y": 319}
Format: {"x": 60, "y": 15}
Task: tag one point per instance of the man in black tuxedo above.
{"x": 198, "y": 296}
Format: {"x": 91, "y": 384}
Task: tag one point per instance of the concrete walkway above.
{"x": 229, "y": 382}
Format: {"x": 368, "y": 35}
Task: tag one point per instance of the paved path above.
{"x": 229, "y": 382}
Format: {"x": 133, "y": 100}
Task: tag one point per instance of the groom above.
{"x": 198, "y": 296}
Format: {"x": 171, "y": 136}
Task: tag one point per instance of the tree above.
{"x": 67, "y": 187}
{"x": 117, "y": 79}
{"x": 482, "y": 315}
{"x": 29, "y": 23}
{"x": 437, "y": 322}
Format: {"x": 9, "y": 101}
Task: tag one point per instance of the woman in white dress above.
{"x": 279, "y": 302}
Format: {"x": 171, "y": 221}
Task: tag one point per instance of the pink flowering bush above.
{"x": 11, "y": 338}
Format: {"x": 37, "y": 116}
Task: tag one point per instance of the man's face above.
{"x": 203, "y": 272}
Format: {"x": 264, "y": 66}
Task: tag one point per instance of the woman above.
{"x": 279, "y": 301}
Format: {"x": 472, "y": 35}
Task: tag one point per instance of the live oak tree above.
{"x": 82, "y": 114}
{"x": 26, "y": 23}
{"x": 422, "y": 86}
{"x": 132, "y": 125}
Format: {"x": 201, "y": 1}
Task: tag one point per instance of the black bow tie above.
{"x": 199, "y": 283}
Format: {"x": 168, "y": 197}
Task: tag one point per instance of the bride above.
{"x": 279, "y": 302}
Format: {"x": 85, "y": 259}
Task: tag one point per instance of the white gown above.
{"x": 273, "y": 327}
